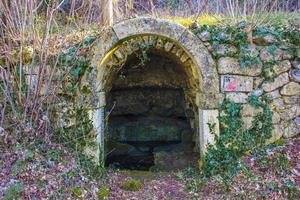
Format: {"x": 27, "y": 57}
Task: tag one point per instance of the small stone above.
{"x": 225, "y": 49}
{"x": 119, "y": 54}
{"x": 291, "y": 130}
{"x": 184, "y": 57}
{"x": 237, "y": 97}
{"x": 194, "y": 25}
{"x": 204, "y": 36}
{"x": 279, "y": 81}
{"x": 286, "y": 55}
{"x": 269, "y": 54}
{"x": 258, "y": 92}
{"x": 291, "y": 99}
{"x": 278, "y": 105}
{"x": 228, "y": 65}
{"x": 295, "y": 75}
{"x": 290, "y": 89}
{"x": 282, "y": 66}
{"x": 274, "y": 94}
{"x": 258, "y": 81}
{"x": 291, "y": 113}
{"x": 297, "y": 120}
{"x": 249, "y": 111}
{"x": 296, "y": 64}
{"x": 168, "y": 46}
{"x": 247, "y": 123}
{"x": 275, "y": 118}
{"x": 224, "y": 36}
{"x": 236, "y": 83}
{"x": 159, "y": 43}
{"x": 277, "y": 133}
{"x": 208, "y": 46}
{"x": 264, "y": 40}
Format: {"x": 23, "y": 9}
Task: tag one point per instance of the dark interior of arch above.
{"x": 149, "y": 121}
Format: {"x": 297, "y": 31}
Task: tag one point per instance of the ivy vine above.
{"x": 233, "y": 142}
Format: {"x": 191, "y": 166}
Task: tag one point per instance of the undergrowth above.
{"x": 223, "y": 158}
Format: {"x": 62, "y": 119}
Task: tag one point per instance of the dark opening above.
{"x": 148, "y": 127}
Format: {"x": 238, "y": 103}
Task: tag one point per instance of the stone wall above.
{"x": 214, "y": 72}
{"x": 238, "y": 82}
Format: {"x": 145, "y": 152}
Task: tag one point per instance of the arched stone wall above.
{"x": 116, "y": 43}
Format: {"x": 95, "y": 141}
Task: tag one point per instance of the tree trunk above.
{"x": 107, "y": 12}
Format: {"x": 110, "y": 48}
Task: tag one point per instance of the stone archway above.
{"x": 120, "y": 41}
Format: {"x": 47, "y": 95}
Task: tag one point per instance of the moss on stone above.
{"x": 103, "y": 193}
{"x": 131, "y": 185}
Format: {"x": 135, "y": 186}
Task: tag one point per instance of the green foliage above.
{"x": 74, "y": 128}
{"x": 14, "y": 191}
{"x": 234, "y": 141}
{"x": 268, "y": 71}
{"x": 131, "y": 185}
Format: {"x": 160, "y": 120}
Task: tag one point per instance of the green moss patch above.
{"x": 132, "y": 185}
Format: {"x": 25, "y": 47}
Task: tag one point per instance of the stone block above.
{"x": 282, "y": 66}
{"x": 295, "y": 75}
{"x": 264, "y": 39}
{"x": 275, "y": 118}
{"x": 168, "y": 46}
{"x": 257, "y": 92}
{"x": 206, "y": 136}
{"x": 249, "y": 111}
{"x": 291, "y": 100}
{"x": 270, "y": 53}
{"x": 292, "y": 130}
{"x": 274, "y": 94}
{"x": 258, "y": 81}
{"x": 277, "y": 133}
{"x": 290, "y": 89}
{"x": 231, "y": 83}
{"x": 287, "y": 55}
{"x": 204, "y": 36}
{"x": 148, "y": 25}
{"x": 247, "y": 123}
{"x": 278, "y": 105}
{"x": 237, "y": 97}
{"x": 279, "y": 81}
{"x": 296, "y": 64}
{"x": 225, "y": 49}
{"x": 102, "y": 99}
{"x": 228, "y": 65}
{"x": 214, "y": 100}
{"x": 290, "y": 113}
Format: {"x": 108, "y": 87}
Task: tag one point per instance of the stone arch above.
{"x": 169, "y": 37}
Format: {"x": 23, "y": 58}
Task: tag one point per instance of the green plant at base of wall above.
{"x": 234, "y": 142}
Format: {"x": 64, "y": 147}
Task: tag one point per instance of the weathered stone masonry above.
{"x": 209, "y": 80}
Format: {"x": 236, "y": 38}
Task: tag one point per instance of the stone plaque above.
{"x": 229, "y": 83}
{"x": 236, "y": 83}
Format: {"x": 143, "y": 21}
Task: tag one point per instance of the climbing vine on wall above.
{"x": 287, "y": 38}
{"x": 234, "y": 141}
{"x": 75, "y": 127}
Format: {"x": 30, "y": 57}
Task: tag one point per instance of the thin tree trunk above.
{"x": 107, "y": 12}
